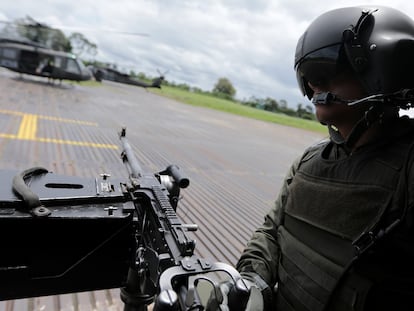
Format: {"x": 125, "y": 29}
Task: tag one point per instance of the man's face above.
{"x": 345, "y": 87}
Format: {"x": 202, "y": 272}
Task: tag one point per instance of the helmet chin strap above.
{"x": 373, "y": 115}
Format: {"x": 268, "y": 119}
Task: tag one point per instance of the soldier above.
{"x": 341, "y": 236}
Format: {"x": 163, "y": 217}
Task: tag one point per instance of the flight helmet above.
{"x": 374, "y": 43}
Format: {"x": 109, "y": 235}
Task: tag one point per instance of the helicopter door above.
{"x": 29, "y": 61}
{"x": 59, "y": 71}
{"x": 45, "y": 67}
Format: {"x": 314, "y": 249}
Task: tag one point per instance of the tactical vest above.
{"x": 330, "y": 204}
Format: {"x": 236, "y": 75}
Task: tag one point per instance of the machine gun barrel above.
{"x": 128, "y": 157}
{"x": 156, "y": 198}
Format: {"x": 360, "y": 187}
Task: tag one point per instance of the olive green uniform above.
{"x": 329, "y": 199}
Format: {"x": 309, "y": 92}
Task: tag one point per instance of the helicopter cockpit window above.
{"x": 72, "y": 66}
{"x": 81, "y": 65}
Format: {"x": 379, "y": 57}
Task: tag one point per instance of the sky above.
{"x": 250, "y": 42}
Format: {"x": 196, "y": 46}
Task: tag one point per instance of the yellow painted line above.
{"x": 16, "y": 113}
{"x": 22, "y": 114}
{"x": 62, "y": 141}
{"x": 68, "y": 120}
{"x": 28, "y": 127}
{"x": 10, "y": 136}
{"x": 76, "y": 143}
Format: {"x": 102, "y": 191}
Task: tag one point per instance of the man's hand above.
{"x": 244, "y": 295}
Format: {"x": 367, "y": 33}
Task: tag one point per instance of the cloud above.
{"x": 252, "y": 43}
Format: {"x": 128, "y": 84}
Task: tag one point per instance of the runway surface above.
{"x": 235, "y": 165}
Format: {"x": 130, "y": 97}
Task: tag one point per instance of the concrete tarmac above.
{"x": 235, "y": 165}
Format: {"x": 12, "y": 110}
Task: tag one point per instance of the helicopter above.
{"x": 27, "y": 57}
{"x": 29, "y": 54}
{"x": 106, "y": 73}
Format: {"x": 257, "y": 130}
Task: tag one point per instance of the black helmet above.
{"x": 375, "y": 43}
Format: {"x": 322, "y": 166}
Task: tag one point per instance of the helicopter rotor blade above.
{"x": 113, "y": 31}
{"x": 56, "y": 27}
{"x": 162, "y": 74}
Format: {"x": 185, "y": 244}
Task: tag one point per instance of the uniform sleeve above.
{"x": 261, "y": 254}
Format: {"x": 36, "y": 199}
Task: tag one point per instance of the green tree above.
{"x": 224, "y": 87}
{"x": 283, "y": 104}
{"x": 58, "y": 41}
{"x": 142, "y": 76}
{"x": 81, "y": 45}
{"x": 305, "y": 113}
{"x": 270, "y": 104}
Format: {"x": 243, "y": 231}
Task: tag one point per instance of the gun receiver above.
{"x": 64, "y": 234}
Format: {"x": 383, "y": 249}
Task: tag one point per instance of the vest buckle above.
{"x": 365, "y": 241}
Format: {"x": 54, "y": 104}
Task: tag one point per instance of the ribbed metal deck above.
{"x": 235, "y": 165}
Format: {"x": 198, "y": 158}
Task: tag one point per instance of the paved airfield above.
{"x": 235, "y": 165}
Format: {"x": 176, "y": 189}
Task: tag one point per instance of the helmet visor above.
{"x": 318, "y": 68}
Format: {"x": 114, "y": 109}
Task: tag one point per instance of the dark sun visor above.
{"x": 318, "y": 68}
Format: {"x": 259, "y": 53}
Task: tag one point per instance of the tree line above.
{"x": 225, "y": 89}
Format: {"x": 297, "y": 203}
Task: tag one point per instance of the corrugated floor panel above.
{"x": 235, "y": 165}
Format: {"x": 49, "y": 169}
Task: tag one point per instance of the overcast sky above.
{"x": 250, "y": 42}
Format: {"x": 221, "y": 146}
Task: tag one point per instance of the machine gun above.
{"x": 63, "y": 234}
